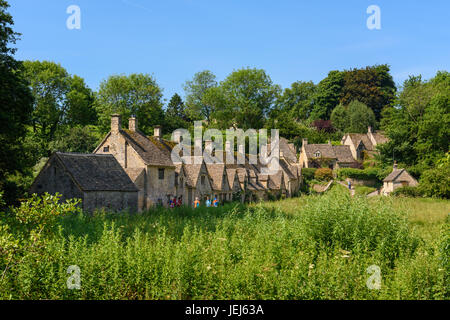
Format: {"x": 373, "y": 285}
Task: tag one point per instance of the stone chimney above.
{"x": 369, "y": 129}
{"x": 116, "y": 123}
{"x": 329, "y": 142}
{"x": 158, "y": 132}
{"x": 304, "y": 141}
{"x": 395, "y": 165}
{"x": 133, "y": 124}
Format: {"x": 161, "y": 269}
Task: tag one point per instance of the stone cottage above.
{"x": 98, "y": 180}
{"x": 361, "y": 143}
{"x": 396, "y": 179}
{"x": 320, "y": 155}
{"x": 146, "y": 160}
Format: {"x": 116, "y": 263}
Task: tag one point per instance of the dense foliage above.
{"x": 321, "y": 251}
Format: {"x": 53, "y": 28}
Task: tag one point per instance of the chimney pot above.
{"x": 158, "y": 132}
{"x": 304, "y": 141}
{"x": 132, "y": 124}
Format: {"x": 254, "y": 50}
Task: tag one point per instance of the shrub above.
{"x": 407, "y": 191}
{"x": 308, "y": 173}
{"x": 323, "y": 174}
{"x": 436, "y": 182}
{"x": 350, "y": 223}
{"x": 358, "y": 174}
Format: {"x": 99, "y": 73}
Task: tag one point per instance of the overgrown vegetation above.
{"x": 315, "y": 247}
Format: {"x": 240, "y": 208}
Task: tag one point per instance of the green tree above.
{"x": 60, "y": 99}
{"x": 355, "y": 117}
{"x": 360, "y": 117}
{"x": 250, "y": 96}
{"x": 80, "y": 100}
{"x": 83, "y": 139}
{"x": 16, "y": 104}
{"x": 327, "y": 95}
{"x": 136, "y": 94}
{"x": 372, "y": 86}
{"x": 419, "y": 125}
{"x": 50, "y": 84}
{"x": 298, "y": 100}
{"x": 195, "y": 89}
{"x": 340, "y": 118}
{"x": 175, "y": 114}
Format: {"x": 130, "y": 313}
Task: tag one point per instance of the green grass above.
{"x": 312, "y": 247}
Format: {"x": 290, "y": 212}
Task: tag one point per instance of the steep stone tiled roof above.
{"x": 150, "y": 152}
{"x": 380, "y": 137}
{"x": 218, "y": 174}
{"x": 326, "y": 150}
{"x": 192, "y": 172}
{"x": 96, "y": 172}
{"x": 357, "y": 137}
{"x": 340, "y": 153}
{"x": 288, "y": 150}
{"x": 276, "y": 181}
{"x": 231, "y": 175}
{"x": 343, "y": 153}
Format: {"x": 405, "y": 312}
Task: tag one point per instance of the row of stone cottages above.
{"x": 129, "y": 170}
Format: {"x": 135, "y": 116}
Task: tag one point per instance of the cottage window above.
{"x": 176, "y": 179}
{"x": 161, "y": 174}
{"x": 203, "y": 180}
{"x": 106, "y": 149}
{"x": 317, "y": 154}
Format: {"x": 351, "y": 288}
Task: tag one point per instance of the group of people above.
{"x": 208, "y": 202}
{"x": 174, "y": 202}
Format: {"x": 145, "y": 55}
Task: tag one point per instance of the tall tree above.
{"x": 372, "y": 86}
{"x": 59, "y": 99}
{"x": 136, "y": 94}
{"x": 327, "y": 95}
{"x": 197, "y": 107}
{"x": 250, "y": 96}
{"x": 16, "y": 101}
{"x": 175, "y": 114}
{"x": 298, "y": 100}
{"x": 80, "y": 100}
{"x": 419, "y": 125}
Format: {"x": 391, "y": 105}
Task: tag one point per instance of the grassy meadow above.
{"x": 311, "y": 247}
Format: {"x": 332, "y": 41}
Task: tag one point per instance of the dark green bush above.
{"x": 308, "y": 173}
{"x": 407, "y": 191}
{"x": 436, "y": 182}
{"x": 365, "y": 174}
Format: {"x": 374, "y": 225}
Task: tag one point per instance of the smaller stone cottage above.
{"x": 97, "y": 179}
{"x": 396, "y": 179}
{"x": 321, "y": 155}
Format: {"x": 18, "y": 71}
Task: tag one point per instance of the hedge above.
{"x": 308, "y": 173}
{"x": 365, "y": 174}
{"x": 407, "y": 191}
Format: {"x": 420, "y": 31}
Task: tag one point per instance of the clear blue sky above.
{"x": 291, "y": 40}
